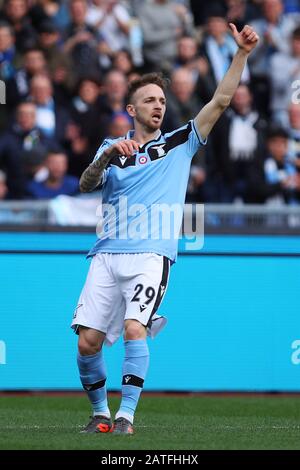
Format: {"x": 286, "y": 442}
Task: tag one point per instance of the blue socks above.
{"x": 93, "y": 377}
{"x": 135, "y": 368}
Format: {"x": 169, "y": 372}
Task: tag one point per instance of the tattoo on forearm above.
{"x": 91, "y": 177}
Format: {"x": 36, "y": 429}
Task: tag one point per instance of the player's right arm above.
{"x": 92, "y": 176}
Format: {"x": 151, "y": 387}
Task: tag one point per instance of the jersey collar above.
{"x": 130, "y": 135}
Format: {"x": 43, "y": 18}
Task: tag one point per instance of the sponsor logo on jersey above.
{"x": 122, "y": 160}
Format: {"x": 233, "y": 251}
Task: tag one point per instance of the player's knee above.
{"x": 134, "y": 330}
{"x": 88, "y": 348}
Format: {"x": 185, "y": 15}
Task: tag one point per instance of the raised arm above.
{"x": 92, "y": 176}
{"x": 210, "y": 113}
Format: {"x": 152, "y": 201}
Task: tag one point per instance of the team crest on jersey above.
{"x": 157, "y": 151}
{"x": 160, "y": 150}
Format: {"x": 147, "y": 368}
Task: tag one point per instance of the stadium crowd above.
{"x": 66, "y": 65}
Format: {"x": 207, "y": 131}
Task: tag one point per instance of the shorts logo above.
{"x": 127, "y": 378}
{"x": 143, "y": 160}
{"x": 75, "y": 313}
{"x": 143, "y": 307}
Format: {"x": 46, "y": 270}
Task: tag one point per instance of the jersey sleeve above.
{"x": 195, "y": 141}
{"x": 186, "y": 140}
{"x": 105, "y": 145}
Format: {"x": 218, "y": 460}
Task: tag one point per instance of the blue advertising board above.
{"x": 232, "y": 308}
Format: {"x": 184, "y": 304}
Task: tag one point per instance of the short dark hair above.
{"x": 148, "y": 79}
{"x": 274, "y": 130}
{"x": 296, "y": 33}
{"x": 34, "y": 48}
{"x": 55, "y": 149}
{"x": 5, "y": 24}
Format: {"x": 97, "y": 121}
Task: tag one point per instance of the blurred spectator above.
{"x": 219, "y": 47}
{"x": 84, "y": 130}
{"x": 291, "y": 6}
{"x": 275, "y": 180}
{"x": 187, "y": 52}
{"x": 23, "y": 135}
{"x": 81, "y": 41}
{"x": 48, "y": 40}
{"x": 112, "y": 21}
{"x": 188, "y": 57}
{"x": 236, "y": 140}
{"x": 3, "y": 186}
{"x": 274, "y": 30}
{"x": 58, "y": 181}
{"x": 161, "y": 26}
{"x": 119, "y": 125}
{"x": 33, "y": 162}
{"x": 8, "y": 54}
{"x": 8, "y": 63}
{"x": 284, "y": 70}
{"x": 59, "y": 63}
{"x": 294, "y": 133}
{"x": 115, "y": 91}
{"x": 15, "y": 12}
{"x": 112, "y": 99}
{"x": 17, "y": 89}
{"x": 48, "y": 36}
{"x": 183, "y": 105}
{"x": 56, "y": 10}
{"x": 122, "y": 61}
{"x": 182, "y": 102}
{"x": 240, "y": 12}
{"x": 196, "y": 190}
{"x": 199, "y": 11}
{"x": 51, "y": 119}
{"x": 63, "y": 81}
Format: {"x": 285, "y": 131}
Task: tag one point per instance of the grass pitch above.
{"x": 162, "y": 423}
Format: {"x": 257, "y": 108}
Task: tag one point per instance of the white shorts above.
{"x": 119, "y": 287}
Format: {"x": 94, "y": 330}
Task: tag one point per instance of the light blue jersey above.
{"x": 143, "y": 195}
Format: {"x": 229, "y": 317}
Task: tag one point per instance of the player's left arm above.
{"x": 246, "y": 40}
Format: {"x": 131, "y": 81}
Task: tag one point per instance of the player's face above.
{"x": 149, "y": 107}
